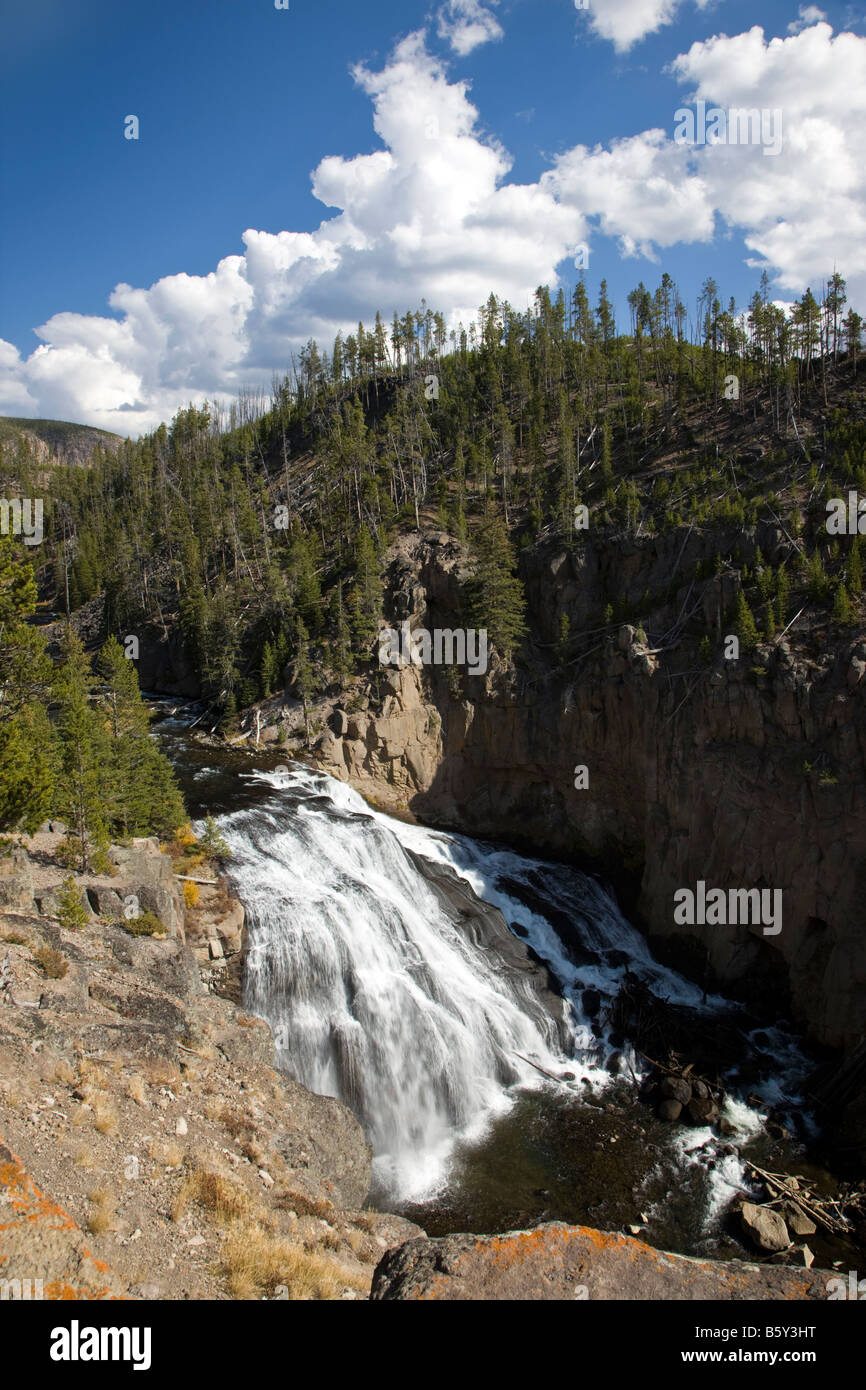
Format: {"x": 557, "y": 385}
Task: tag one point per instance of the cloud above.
{"x": 809, "y": 14}
{"x": 466, "y": 24}
{"x": 431, "y": 214}
{"x": 804, "y": 211}
{"x": 640, "y": 190}
{"x": 626, "y": 22}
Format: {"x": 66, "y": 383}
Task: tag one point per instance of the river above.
{"x": 462, "y": 999}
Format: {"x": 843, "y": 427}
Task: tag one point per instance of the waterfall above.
{"x": 371, "y": 992}
{"x": 382, "y": 989}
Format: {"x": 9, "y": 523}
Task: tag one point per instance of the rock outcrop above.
{"x": 559, "y": 1262}
{"x": 742, "y": 774}
{"x": 161, "y": 1153}
{"x": 43, "y": 1252}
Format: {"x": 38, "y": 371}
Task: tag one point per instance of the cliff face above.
{"x": 743, "y": 774}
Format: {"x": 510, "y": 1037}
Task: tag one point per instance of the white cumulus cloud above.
{"x": 626, "y": 22}
{"x": 466, "y": 24}
{"x": 431, "y": 215}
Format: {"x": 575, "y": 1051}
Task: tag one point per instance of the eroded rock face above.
{"x": 692, "y": 776}
{"x": 556, "y": 1262}
{"x": 16, "y": 880}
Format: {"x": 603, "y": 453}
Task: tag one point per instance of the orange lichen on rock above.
{"x": 41, "y": 1244}
{"x": 556, "y": 1262}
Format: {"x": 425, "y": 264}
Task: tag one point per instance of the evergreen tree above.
{"x": 783, "y": 589}
{"x": 342, "y": 661}
{"x": 213, "y": 842}
{"x": 368, "y": 585}
{"x": 744, "y": 624}
{"x": 855, "y": 569}
{"x": 84, "y": 756}
{"x": 70, "y": 908}
{"x": 498, "y": 604}
{"x": 841, "y": 606}
{"x": 303, "y": 673}
{"x": 140, "y": 794}
{"x": 27, "y": 764}
{"x": 606, "y": 455}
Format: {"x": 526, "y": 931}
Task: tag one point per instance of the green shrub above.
{"x": 71, "y": 910}
{"x": 147, "y": 924}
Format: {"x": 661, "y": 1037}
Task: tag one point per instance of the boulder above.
{"x": 107, "y": 902}
{"x": 702, "y": 1111}
{"x": 798, "y": 1223}
{"x": 765, "y": 1227}
{"x": 670, "y": 1110}
{"x": 675, "y": 1088}
{"x": 559, "y": 1262}
{"x": 338, "y": 723}
{"x": 16, "y": 881}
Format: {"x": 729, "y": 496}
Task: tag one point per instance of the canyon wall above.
{"x": 742, "y": 773}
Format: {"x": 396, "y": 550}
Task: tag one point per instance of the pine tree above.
{"x": 368, "y": 585}
{"x": 303, "y": 673}
{"x": 308, "y": 590}
{"x": 498, "y": 603}
{"x": 27, "y": 753}
{"x": 84, "y": 754}
{"x": 342, "y": 661}
{"x": 841, "y": 606}
{"x": 70, "y": 908}
{"x": 213, "y": 842}
{"x": 855, "y": 569}
{"x": 783, "y": 589}
{"x": 140, "y": 794}
{"x": 744, "y": 624}
{"x": 606, "y": 455}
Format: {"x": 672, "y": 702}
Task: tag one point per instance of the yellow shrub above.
{"x": 190, "y": 894}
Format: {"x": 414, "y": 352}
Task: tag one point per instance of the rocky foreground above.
{"x": 150, "y": 1149}
{"x": 562, "y": 1262}
{"x": 147, "y": 1144}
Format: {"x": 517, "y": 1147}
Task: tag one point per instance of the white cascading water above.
{"x": 375, "y": 996}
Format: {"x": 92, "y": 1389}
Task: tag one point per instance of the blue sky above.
{"x": 239, "y": 103}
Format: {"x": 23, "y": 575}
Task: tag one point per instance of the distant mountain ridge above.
{"x": 59, "y": 441}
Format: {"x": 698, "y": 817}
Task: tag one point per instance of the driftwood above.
{"x": 187, "y": 878}
{"x": 836, "y": 1222}
{"x": 552, "y": 1076}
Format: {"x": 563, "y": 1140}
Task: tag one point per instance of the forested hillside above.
{"x": 260, "y": 532}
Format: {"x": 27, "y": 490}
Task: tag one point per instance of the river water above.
{"x": 478, "y": 1051}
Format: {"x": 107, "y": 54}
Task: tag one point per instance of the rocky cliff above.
{"x": 742, "y": 773}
